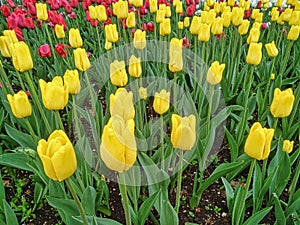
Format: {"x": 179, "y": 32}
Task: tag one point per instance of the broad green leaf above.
{"x": 229, "y": 193}
{"x": 257, "y": 185}
{"x": 17, "y": 160}
{"x": 100, "y": 221}
{"x": 2, "y": 190}
{"x": 88, "y": 200}
{"x": 293, "y": 207}
{"x": 238, "y": 206}
{"x": 280, "y": 217}
{"x": 23, "y": 139}
{"x": 146, "y": 207}
{"x": 167, "y": 213}
{"x": 10, "y": 216}
{"x": 258, "y": 216}
{"x": 57, "y": 189}
{"x": 234, "y": 148}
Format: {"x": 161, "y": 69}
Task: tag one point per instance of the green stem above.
{"x": 7, "y": 81}
{"x": 135, "y": 200}
{"x": 162, "y": 150}
{"x": 98, "y": 37}
{"x": 213, "y": 50}
{"x": 175, "y": 91}
{"x": 20, "y": 80}
{"x": 31, "y": 130}
{"x": 79, "y": 205}
{"x": 37, "y": 101}
{"x": 179, "y": 180}
{"x": 275, "y": 123}
{"x": 59, "y": 120}
{"x": 286, "y": 57}
{"x": 292, "y": 187}
{"x": 125, "y": 198}
{"x": 76, "y": 118}
{"x": 210, "y": 95}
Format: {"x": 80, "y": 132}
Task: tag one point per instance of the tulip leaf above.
{"x": 280, "y": 217}
{"x": 10, "y": 216}
{"x": 2, "y": 190}
{"x": 17, "y": 160}
{"x": 167, "y": 213}
{"x": 258, "y": 216}
{"x": 257, "y": 184}
{"x": 233, "y": 146}
{"x": 238, "y": 209}
{"x": 88, "y": 200}
{"x": 229, "y": 193}
{"x": 21, "y": 138}
{"x": 293, "y": 207}
{"x": 56, "y": 189}
{"x": 146, "y": 207}
{"x": 99, "y": 221}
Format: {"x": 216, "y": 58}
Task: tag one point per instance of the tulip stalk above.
{"x": 286, "y": 57}
{"x": 20, "y": 80}
{"x": 125, "y": 198}
{"x": 6, "y": 80}
{"x": 31, "y": 130}
{"x": 79, "y": 205}
{"x": 293, "y": 185}
{"x": 162, "y": 150}
{"x": 38, "y": 103}
{"x": 59, "y": 120}
{"x": 179, "y": 180}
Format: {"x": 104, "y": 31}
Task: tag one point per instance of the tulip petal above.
{"x": 255, "y": 143}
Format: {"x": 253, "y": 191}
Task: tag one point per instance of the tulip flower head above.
{"x": 293, "y": 33}
{"x": 19, "y": 104}
{"x": 111, "y": 33}
{"x": 282, "y": 103}
{"x": 130, "y": 21}
{"x": 175, "y": 55}
{"x": 214, "y": 74}
{"x": 59, "y": 31}
{"x": 204, "y": 32}
{"x": 120, "y": 8}
{"x": 139, "y": 39}
{"x": 161, "y": 102}
{"x": 82, "y": 62}
{"x": 21, "y": 56}
{"x": 288, "y": 146}
{"x": 258, "y": 142}
{"x": 101, "y": 13}
{"x": 44, "y": 51}
{"x": 271, "y": 49}
{"x": 41, "y": 11}
{"x": 11, "y": 34}
{"x": 243, "y": 28}
{"x": 135, "y": 68}
{"x": 121, "y": 104}
{"x": 195, "y": 25}
{"x": 118, "y": 148}
{"x": 71, "y": 78}
{"x": 183, "y": 134}
{"x": 118, "y": 75}
{"x": 58, "y": 156}
{"x": 5, "y": 46}
{"x": 55, "y": 94}
{"x": 143, "y": 93}
{"x": 75, "y": 39}
{"x": 165, "y": 27}
{"x": 254, "y": 54}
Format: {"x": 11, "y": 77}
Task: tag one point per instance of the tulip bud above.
{"x": 22, "y": 60}
{"x": 243, "y": 28}
{"x": 204, "y": 32}
{"x": 11, "y": 34}
{"x": 195, "y": 25}
{"x": 253, "y": 36}
{"x": 130, "y": 21}
{"x": 165, "y": 27}
{"x": 179, "y": 8}
{"x": 272, "y": 76}
{"x": 282, "y": 103}
{"x": 41, "y": 11}
{"x": 120, "y": 8}
{"x": 258, "y": 142}
{"x": 274, "y": 14}
{"x": 118, "y": 75}
{"x": 237, "y": 16}
{"x": 118, "y": 148}
{"x": 136, "y": 3}
{"x": 214, "y": 74}
{"x": 254, "y": 54}
{"x": 183, "y": 134}
{"x": 293, "y": 33}
{"x": 111, "y": 33}
{"x": 108, "y": 45}
{"x": 58, "y": 156}
{"x": 227, "y": 18}
{"x": 153, "y": 6}
{"x": 288, "y": 146}
{"x": 186, "y": 21}
{"x": 180, "y": 25}
{"x": 75, "y": 39}
{"x": 217, "y": 26}
{"x": 5, "y": 46}
{"x": 161, "y": 102}
{"x": 139, "y": 39}
{"x": 175, "y": 55}
{"x": 71, "y": 78}
{"x": 82, "y": 62}
{"x": 19, "y": 104}
{"x": 143, "y": 93}
{"x": 55, "y": 94}
{"x": 295, "y": 18}
{"x": 168, "y": 12}
{"x": 160, "y": 15}
{"x": 101, "y": 13}
{"x": 271, "y": 49}
{"x": 121, "y": 104}
{"x": 231, "y": 2}
{"x": 135, "y": 69}
{"x": 59, "y": 31}
{"x": 92, "y": 11}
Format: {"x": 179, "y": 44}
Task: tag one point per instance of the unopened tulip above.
{"x": 186, "y": 21}
{"x": 204, "y": 32}
{"x": 58, "y": 156}
{"x": 22, "y": 60}
{"x": 195, "y": 25}
{"x": 165, "y": 27}
{"x": 11, "y": 34}
{"x": 55, "y": 94}
{"x": 108, "y": 45}
{"x": 111, "y": 33}
{"x": 253, "y": 36}
{"x": 254, "y": 54}
{"x": 226, "y": 18}
{"x": 295, "y": 18}
{"x": 217, "y": 26}
{"x": 118, "y": 75}
{"x": 59, "y": 31}
{"x": 139, "y": 39}
{"x": 282, "y": 103}
{"x": 71, "y": 78}
{"x": 5, "y": 46}
{"x": 258, "y": 142}
{"x": 75, "y": 39}
{"x": 287, "y": 14}
{"x": 175, "y": 55}
{"x": 120, "y": 8}
{"x": 153, "y": 6}
{"x": 135, "y": 68}
{"x": 274, "y": 14}
{"x": 93, "y": 12}
{"x": 41, "y": 11}
{"x": 143, "y": 93}
{"x": 121, "y": 104}
{"x": 118, "y": 148}
{"x": 288, "y": 146}
{"x": 237, "y": 16}
{"x": 215, "y": 72}
{"x": 180, "y": 25}
{"x": 101, "y": 13}
{"x": 161, "y": 102}
{"x": 179, "y": 8}
{"x": 243, "y": 28}
{"x": 136, "y": 3}
{"x": 293, "y": 33}
{"x": 271, "y": 49}
{"x": 130, "y": 21}
{"x": 19, "y": 104}
{"x": 183, "y": 134}
{"x": 82, "y": 62}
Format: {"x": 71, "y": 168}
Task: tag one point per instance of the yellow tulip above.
{"x": 108, "y": 45}
{"x": 101, "y": 13}
{"x": 118, "y": 75}
{"x": 93, "y": 12}
{"x": 256, "y": 25}
{"x": 255, "y": 13}
{"x": 121, "y": 104}
{"x": 58, "y": 156}
{"x": 272, "y": 76}
{"x": 175, "y": 55}
{"x": 214, "y": 74}
{"x": 71, "y": 78}
{"x": 183, "y": 134}
{"x": 22, "y": 60}
{"x": 160, "y": 15}
{"x": 41, "y": 11}
{"x": 139, "y": 39}
{"x": 135, "y": 68}
{"x": 165, "y": 27}
{"x": 231, "y": 2}
{"x": 237, "y": 16}
{"x": 59, "y": 31}
{"x": 179, "y": 8}
{"x": 243, "y": 28}
{"x": 186, "y": 21}
{"x": 136, "y": 3}
{"x": 55, "y": 94}
{"x": 208, "y": 18}
{"x": 293, "y": 33}
{"x": 259, "y": 18}
{"x": 253, "y": 35}
{"x": 295, "y": 18}
{"x": 279, "y": 3}
{"x": 204, "y": 33}
{"x": 19, "y": 104}
{"x": 227, "y": 18}
{"x": 258, "y": 142}
{"x": 287, "y": 14}
{"x": 161, "y": 102}
{"x": 5, "y": 46}
{"x": 254, "y": 54}
{"x": 282, "y": 103}
{"x": 168, "y": 11}
{"x": 120, "y": 8}
{"x": 153, "y": 6}
{"x": 288, "y": 146}
{"x": 217, "y": 26}
{"x": 11, "y": 34}
{"x": 118, "y": 148}
{"x": 195, "y": 25}
{"x": 111, "y": 33}
{"x": 274, "y": 14}
{"x": 75, "y": 39}
{"x": 271, "y": 49}
{"x": 143, "y": 93}
{"x": 82, "y": 62}
{"x": 130, "y": 21}
{"x": 210, "y": 2}
{"x": 180, "y": 25}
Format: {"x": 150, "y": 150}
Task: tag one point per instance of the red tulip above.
{"x": 29, "y": 23}
{"x": 54, "y": 5}
{"x": 74, "y": 3}
{"x": 31, "y": 9}
{"x": 19, "y": 34}
{"x": 61, "y": 50}
{"x": 5, "y": 10}
{"x": 44, "y": 51}
{"x": 150, "y": 26}
{"x": 186, "y": 42}
{"x": 190, "y": 10}
{"x": 11, "y": 3}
